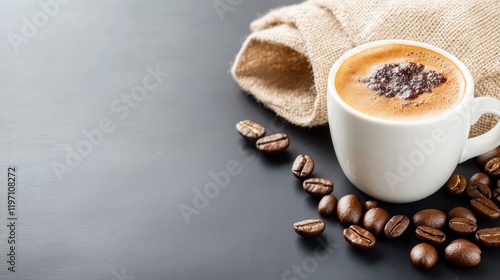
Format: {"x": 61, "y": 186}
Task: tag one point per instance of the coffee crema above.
{"x": 353, "y": 74}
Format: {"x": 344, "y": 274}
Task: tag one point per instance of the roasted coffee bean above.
{"x": 309, "y": 228}
{"x": 327, "y": 205}
{"x": 318, "y": 187}
{"x": 396, "y": 226}
{"x": 303, "y": 166}
{"x": 493, "y": 167}
{"x": 462, "y": 212}
{"x": 498, "y": 183}
{"x": 375, "y": 219}
{"x": 495, "y": 196}
{"x": 462, "y": 226}
{"x": 478, "y": 189}
{"x": 359, "y": 237}
{"x": 250, "y": 129}
{"x": 349, "y": 210}
{"x": 369, "y": 204}
{"x": 273, "y": 144}
{"x": 429, "y": 217}
{"x": 485, "y": 208}
{"x": 462, "y": 252}
{"x": 456, "y": 184}
{"x": 488, "y": 237}
{"x": 484, "y": 158}
{"x": 480, "y": 178}
{"x": 430, "y": 235}
{"x": 424, "y": 256}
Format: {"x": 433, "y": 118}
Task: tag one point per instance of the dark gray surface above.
{"x": 116, "y": 214}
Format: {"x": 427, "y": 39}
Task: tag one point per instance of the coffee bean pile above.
{"x": 366, "y": 221}
{"x": 405, "y": 80}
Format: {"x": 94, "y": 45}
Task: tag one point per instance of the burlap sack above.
{"x": 285, "y": 62}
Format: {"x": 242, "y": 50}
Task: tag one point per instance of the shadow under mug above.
{"x": 405, "y": 161}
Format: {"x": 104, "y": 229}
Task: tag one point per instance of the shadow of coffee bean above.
{"x": 371, "y": 257}
{"x": 319, "y": 244}
{"x": 278, "y": 159}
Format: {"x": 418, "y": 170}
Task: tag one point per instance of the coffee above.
{"x": 479, "y": 186}
{"x": 456, "y": 184}
{"x": 424, "y": 256}
{"x": 250, "y": 129}
{"x": 318, "y": 187}
{"x": 482, "y": 159}
{"x": 478, "y": 189}
{"x": 462, "y": 212}
{"x": 485, "y": 208}
{"x": 375, "y": 219}
{"x": 496, "y": 195}
{"x": 273, "y": 144}
{"x": 349, "y": 210}
{"x": 359, "y": 237}
{"x": 430, "y": 235}
{"x": 480, "y": 178}
{"x": 429, "y": 217}
{"x": 303, "y": 166}
{"x": 462, "y": 252}
{"x": 309, "y": 228}
{"x": 369, "y": 204}
{"x": 396, "y": 226}
{"x": 493, "y": 167}
{"x": 462, "y": 226}
{"x": 488, "y": 237}
{"x": 327, "y": 205}
{"x": 400, "y": 82}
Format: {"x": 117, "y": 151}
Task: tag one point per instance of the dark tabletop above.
{"x": 115, "y": 181}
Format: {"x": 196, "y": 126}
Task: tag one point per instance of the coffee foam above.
{"x": 358, "y": 96}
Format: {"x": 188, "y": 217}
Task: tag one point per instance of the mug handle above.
{"x": 489, "y": 140}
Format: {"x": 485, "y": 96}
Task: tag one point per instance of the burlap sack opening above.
{"x": 285, "y": 62}
{"x": 281, "y": 71}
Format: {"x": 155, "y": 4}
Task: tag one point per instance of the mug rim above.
{"x": 469, "y": 82}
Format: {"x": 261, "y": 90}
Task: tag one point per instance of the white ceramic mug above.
{"x": 405, "y": 161}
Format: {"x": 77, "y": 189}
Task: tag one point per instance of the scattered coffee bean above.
{"x": 480, "y": 178}
{"x": 250, "y": 129}
{"x": 327, "y": 205}
{"x": 488, "y": 237}
{"x": 309, "y": 228}
{"x": 484, "y": 158}
{"x": 430, "y": 217}
{"x": 318, "y": 187}
{"x": 478, "y": 189}
{"x": 369, "y": 204}
{"x": 273, "y": 144}
{"x": 424, "y": 256}
{"x": 359, "y": 237}
{"x": 462, "y": 252}
{"x": 462, "y": 212}
{"x": 495, "y": 196}
{"x": 375, "y": 219}
{"x": 430, "y": 235}
{"x": 485, "y": 208}
{"x": 456, "y": 184}
{"x": 349, "y": 210}
{"x": 396, "y": 226}
{"x": 498, "y": 183}
{"x": 462, "y": 226}
{"x": 303, "y": 166}
{"x": 493, "y": 167}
